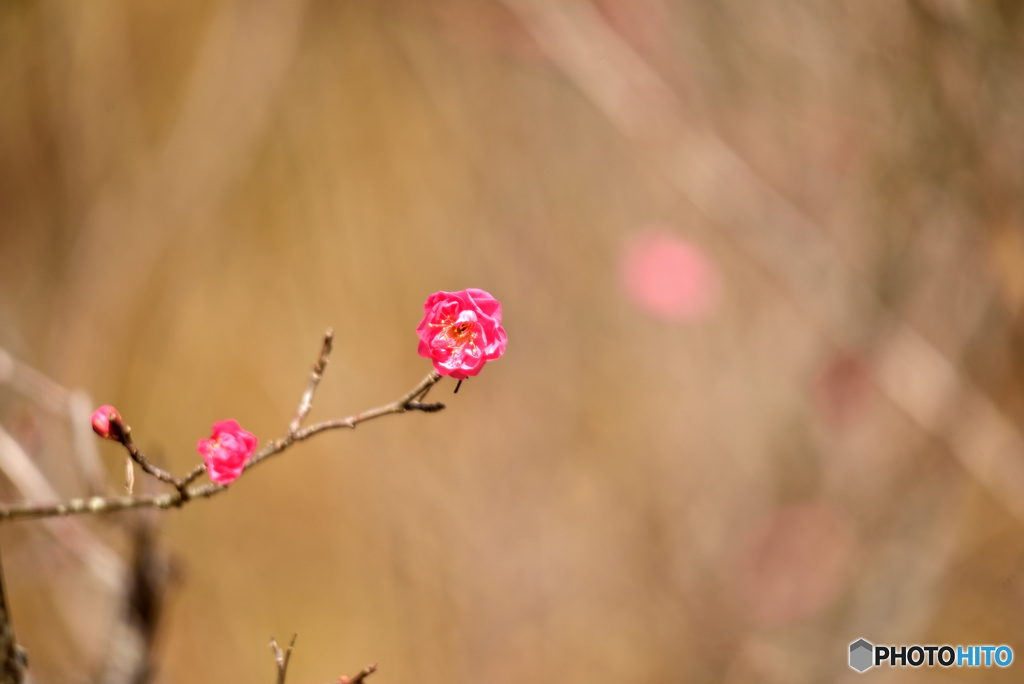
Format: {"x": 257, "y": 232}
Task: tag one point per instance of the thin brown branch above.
{"x": 314, "y": 379}
{"x": 363, "y": 674}
{"x": 282, "y": 657}
{"x": 193, "y": 474}
{"x": 26, "y": 510}
{"x": 408, "y": 402}
{"x": 12, "y": 660}
{"x": 123, "y": 434}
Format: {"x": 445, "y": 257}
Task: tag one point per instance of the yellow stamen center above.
{"x": 458, "y": 334}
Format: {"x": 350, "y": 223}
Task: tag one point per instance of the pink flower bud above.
{"x": 461, "y": 331}
{"x": 101, "y": 419}
{"x": 227, "y": 451}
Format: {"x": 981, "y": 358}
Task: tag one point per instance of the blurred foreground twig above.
{"x": 12, "y": 659}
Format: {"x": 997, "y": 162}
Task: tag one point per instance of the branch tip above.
{"x": 306, "y": 403}
{"x": 366, "y": 672}
{"x": 281, "y": 658}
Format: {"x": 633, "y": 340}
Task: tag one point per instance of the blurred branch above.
{"x": 72, "y": 405}
{"x": 282, "y": 657}
{"x": 23, "y": 473}
{"x": 80, "y": 407}
{"x": 12, "y": 658}
{"x": 410, "y": 401}
{"x": 28, "y": 381}
{"x": 773, "y": 232}
{"x": 129, "y": 660}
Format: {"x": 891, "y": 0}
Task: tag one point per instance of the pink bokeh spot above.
{"x": 669, "y": 277}
{"x": 227, "y": 451}
{"x": 794, "y": 563}
{"x": 843, "y": 388}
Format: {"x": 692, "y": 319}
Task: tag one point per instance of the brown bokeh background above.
{"x": 190, "y": 193}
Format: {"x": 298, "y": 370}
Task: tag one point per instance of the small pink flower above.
{"x": 461, "y": 331}
{"x": 101, "y": 421}
{"x": 227, "y": 450}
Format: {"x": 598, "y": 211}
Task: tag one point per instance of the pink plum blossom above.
{"x": 227, "y": 450}
{"x": 461, "y": 331}
{"x": 101, "y": 421}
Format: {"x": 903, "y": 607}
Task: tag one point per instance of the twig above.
{"x": 143, "y": 599}
{"x": 314, "y": 379}
{"x": 26, "y": 510}
{"x": 123, "y": 434}
{"x": 30, "y": 482}
{"x": 282, "y": 657}
{"x": 408, "y": 402}
{"x": 129, "y": 477}
{"x": 80, "y": 407}
{"x": 193, "y": 474}
{"x": 12, "y": 660}
{"x": 363, "y": 674}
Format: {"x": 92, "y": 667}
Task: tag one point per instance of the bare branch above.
{"x": 366, "y": 672}
{"x": 12, "y": 658}
{"x": 193, "y": 474}
{"x": 123, "y": 434}
{"x": 314, "y": 379}
{"x": 408, "y": 402}
{"x": 26, "y": 510}
{"x": 282, "y": 657}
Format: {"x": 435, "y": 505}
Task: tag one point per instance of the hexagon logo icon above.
{"x": 861, "y": 652}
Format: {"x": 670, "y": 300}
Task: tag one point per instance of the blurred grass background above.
{"x": 190, "y": 193}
